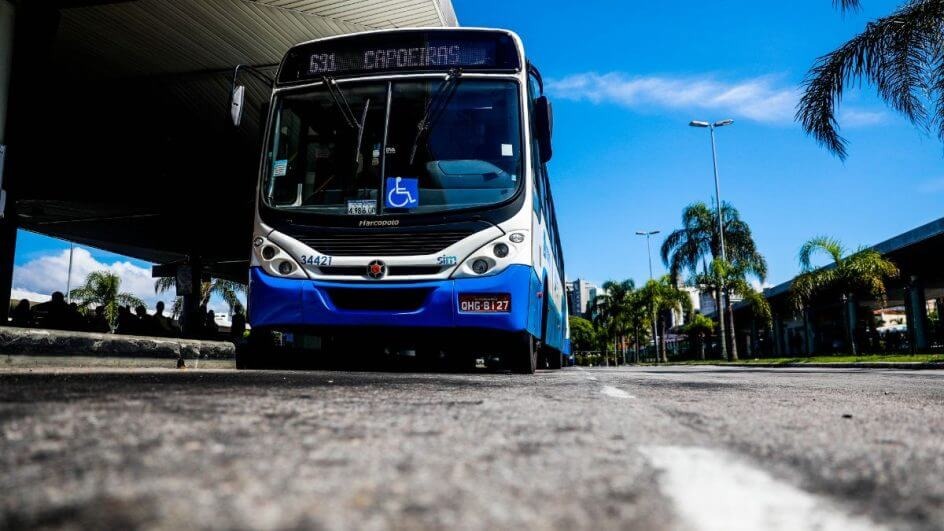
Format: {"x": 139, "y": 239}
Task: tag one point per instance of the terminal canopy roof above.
{"x": 124, "y": 136}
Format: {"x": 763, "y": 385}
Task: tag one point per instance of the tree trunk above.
{"x": 733, "y": 353}
{"x": 665, "y": 358}
{"x": 655, "y": 336}
{"x": 701, "y": 345}
{"x": 636, "y": 343}
{"x": 722, "y": 336}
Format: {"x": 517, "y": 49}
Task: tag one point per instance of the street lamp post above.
{"x": 714, "y": 159}
{"x": 655, "y": 330}
{"x": 724, "y": 257}
{"x": 648, "y": 235}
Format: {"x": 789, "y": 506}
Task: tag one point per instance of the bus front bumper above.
{"x": 291, "y": 303}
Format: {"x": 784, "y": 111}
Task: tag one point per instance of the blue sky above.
{"x": 626, "y": 77}
{"x": 625, "y": 160}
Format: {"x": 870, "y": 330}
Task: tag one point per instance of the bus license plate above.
{"x": 497, "y": 303}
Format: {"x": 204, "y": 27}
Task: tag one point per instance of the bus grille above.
{"x": 384, "y": 244}
{"x": 392, "y": 271}
{"x": 397, "y": 300}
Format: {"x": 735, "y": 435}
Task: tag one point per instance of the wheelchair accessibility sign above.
{"x": 402, "y": 192}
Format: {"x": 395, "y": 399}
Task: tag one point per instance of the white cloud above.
{"x": 861, "y": 118}
{"x": 38, "y": 278}
{"x": 47, "y": 274}
{"x": 20, "y": 294}
{"x": 764, "y": 99}
{"x": 760, "y": 99}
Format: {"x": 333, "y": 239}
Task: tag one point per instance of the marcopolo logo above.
{"x": 379, "y": 223}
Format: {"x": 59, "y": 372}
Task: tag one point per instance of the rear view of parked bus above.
{"x": 404, "y": 200}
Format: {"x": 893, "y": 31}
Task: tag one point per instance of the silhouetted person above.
{"x": 212, "y": 329}
{"x": 238, "y": 327}
{"x": 162, "y": 325}
{"x": 74, "y": 319}
{"x": 99, "y": 323}
{"x": 142, "y": 320}
{"x": 22, "y": 315}
{"x": 125, "y": 321}
{"x": 56, "y": 312}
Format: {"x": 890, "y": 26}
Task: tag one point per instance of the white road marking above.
{"x": 609, "y": 390}
{"x": 713, "y": 490}
{"x": 594, "y": 378}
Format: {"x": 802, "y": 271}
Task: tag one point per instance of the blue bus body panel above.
{"x": 279, "y": 302}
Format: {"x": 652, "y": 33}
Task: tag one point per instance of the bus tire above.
{"x": 251, "y": 355}
{"x": 524, "y": 354}
{"x": 553, "y": 358}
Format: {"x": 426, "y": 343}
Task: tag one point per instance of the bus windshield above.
{"x": 444, "y": 145}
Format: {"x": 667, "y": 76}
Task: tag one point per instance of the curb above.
{"x": 41, "y": 342}
{"x": 902, "y": 365}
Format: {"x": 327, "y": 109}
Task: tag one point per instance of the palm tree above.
{"x": 900, "y": 54}
{"x": 734, "y": 279}
{"x": 698, "y": 242}
{"x": 863, "y": 272}
{"x": 103, "y": 288}
{"x": 637, "y": 316}
{"x": 610, "y": 309}
{"x": 698, "y": 329}
{"x": 663, "y": 297}
{"x": 226, "y": 289}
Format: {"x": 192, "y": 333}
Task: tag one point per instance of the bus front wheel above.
{"x": 553, "y": 358}
{"x": 253, "y": 353}
{"x": 524, "y": 354}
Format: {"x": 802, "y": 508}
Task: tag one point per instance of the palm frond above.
{"x": 824, "y": 244}
{"x": 847, "y": 5}
{"x": 164, "y": 284}
{"x": 895, "y": 53}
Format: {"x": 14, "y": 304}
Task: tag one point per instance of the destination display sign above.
{"x": 428, "y": 50}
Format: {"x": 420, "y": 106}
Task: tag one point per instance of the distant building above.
{"x": 580, "y": 297}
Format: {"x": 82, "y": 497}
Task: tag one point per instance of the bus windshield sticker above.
{"x": 362, "y": 207}
{"x": 507, "y": 150}
{"x": 280, "y": 168}
{"x": 402, "y": 192}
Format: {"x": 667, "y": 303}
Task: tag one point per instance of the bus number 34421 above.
{"x": 315, "y": 260}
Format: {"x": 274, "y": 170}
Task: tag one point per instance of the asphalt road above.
{"x": 643, "y": 448}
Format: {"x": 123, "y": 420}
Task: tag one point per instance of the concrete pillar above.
{"x": 7, "y": 225}
{"x": 852, "y": 316}
{"x": 778, "y": 335}
{"x": 917, "y": 306}
{"x": 809, "y": 331}
{"x": 751, "y": 350}
{"x": 27, "y": 36}
{"x": 190, "y": 318}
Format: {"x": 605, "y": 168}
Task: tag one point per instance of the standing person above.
{"x": 142, "y": 321}
{"x": 99, "y": 323}
{"x": 238, "y": 327}
{"x": 210, "y": 326}
{"x": 162, "y": 325}
{"x": 125, "y": 321}
{"x": 22, "y": 315}
{"x": 56, "y": 310}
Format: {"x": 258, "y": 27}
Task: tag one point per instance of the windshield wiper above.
{"x": 340, "y": 102}
{"x": 436, "y": 105}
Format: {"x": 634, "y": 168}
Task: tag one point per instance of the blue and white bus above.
{"x": 404, "y": 198}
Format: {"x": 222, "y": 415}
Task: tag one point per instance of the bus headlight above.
{"x": 480, "y": 266}
{"x": 274, "y": 260}
{"x": 495, "y": 256}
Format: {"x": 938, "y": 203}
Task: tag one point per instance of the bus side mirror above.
{"x": 236, "y": 106}
{"x": 543, "y": 126}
